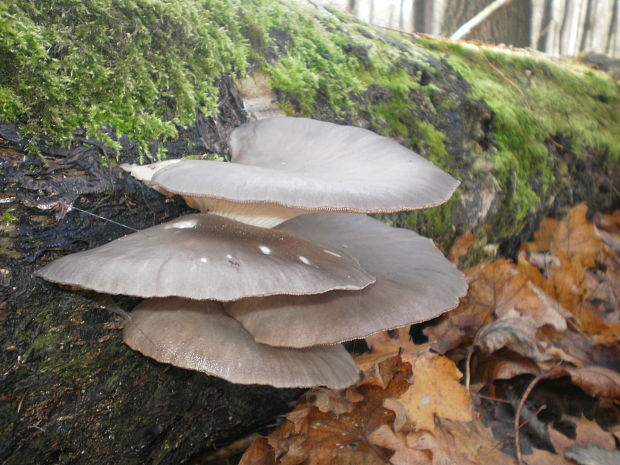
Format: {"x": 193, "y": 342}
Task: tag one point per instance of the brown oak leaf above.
{"x": 435, "y": 391}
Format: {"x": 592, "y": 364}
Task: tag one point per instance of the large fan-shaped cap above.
{"x": 414, "y": 283}
{"x": 198, "y": 335}
{"x": 205, "y": 256}
{"x": 289, "y": 166}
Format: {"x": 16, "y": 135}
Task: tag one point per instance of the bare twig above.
{"x": 494, "y": 399}
{"x": 470, "y": 352}
{"x": 478, "y": 19}
{"x": 552, "y": 373}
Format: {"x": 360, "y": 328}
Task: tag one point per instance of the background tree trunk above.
{"x": 557, "y": 27}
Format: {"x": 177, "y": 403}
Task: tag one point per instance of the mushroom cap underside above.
{"x": 199, "y": 335}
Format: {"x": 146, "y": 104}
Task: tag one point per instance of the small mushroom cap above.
{"x": 302, "y": 165}
{"x": 205, "y": 256}
{"x": 199, "y": 335}
{"x": 415, "y": 282}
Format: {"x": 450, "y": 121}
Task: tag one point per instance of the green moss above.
{"x": 393, "y": 115}
{"x": 536, "y": 101}
{"x": 140, "y": 68}
{"x": 434, "y": 140}
{"x": 205, "y": 156}
{"x": 329, "y": 66}
{"x": 314, "y": 66}
{"x": 435, "y": 222}
{"x": 8, "y": 218}
{"x": 430, "y": 90}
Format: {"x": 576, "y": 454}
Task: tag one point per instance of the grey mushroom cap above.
{"x": 415, "y": 283}
{"x": 300, "y": 165}
{"x": 204, "y": 256}
{"x": 199, "y": 335}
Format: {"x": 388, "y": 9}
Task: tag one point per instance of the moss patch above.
{"x": 114, "y": 67}
{"x": 540, "y": 107}
{"x": 8, "y": 217}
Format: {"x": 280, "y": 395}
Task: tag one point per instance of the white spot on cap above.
{"x": 204, "y": 259}
{"x": 229, "y": 256}
{"x": 266, "y": 250}
{"x": 332, "y": 253}
{"x": 304, "y": 260}
{"x": 182, "y": 224}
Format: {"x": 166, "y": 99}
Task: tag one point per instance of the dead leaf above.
{"x": 403, "y": 455}
{"x": 609, "y": 223}
{"x": 400, "y": 413}
{"x": 543, "y": 457}
{"x": 390, "y": 375}
{"x": 427, "y": 442}
{"x": 587, "y": 432}
{"x": 328, "y": 439}
{"x": 259, "y": 453}
{"x": 504, "y": 365}
{"x": 328, "y": 400}
{"x": 527, "y": 269}
{"x": 448, "y": 334}
{"x": 603, "y": 289}
{"x": 592, "y": 455}
{"x": 544, "y": 236}
{"x": 389, "y": 342}
{"x": 298, "y": 419}
{"x": 500, "y": 287}
{"x": 576, "y": 238}
{"x": 597, "y": 381}
{"x": 352, "y": 395}
{"x": 340, "y": 434}
{"x": 461, "y": 247}
{"x": 577, "y": 245}
{"x": 435, "y": 391}
{"x": 462, "y": 443}
{"x": 517, "y": 334}
{"x": 611, "y": 240}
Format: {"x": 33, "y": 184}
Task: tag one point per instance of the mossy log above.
{"x": 526, "y": 136}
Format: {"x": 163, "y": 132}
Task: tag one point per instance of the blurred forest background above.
{"x": 557, "y": 27}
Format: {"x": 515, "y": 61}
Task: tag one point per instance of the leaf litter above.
{"x": 525, "y": 370}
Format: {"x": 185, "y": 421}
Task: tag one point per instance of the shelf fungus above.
{"x": 281, "y": 265}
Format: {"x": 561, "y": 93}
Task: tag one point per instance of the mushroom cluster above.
{"x": 282, "y": 264}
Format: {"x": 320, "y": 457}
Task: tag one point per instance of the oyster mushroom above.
{"x": 199, "y": 335}
{"x": 284, "y": 167}
{"x": 294, "y": 296}
{"x": 204, "y": 256}
{"x": 415, "y": 283}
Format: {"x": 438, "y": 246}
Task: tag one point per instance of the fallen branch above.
{"x": 478, "y": 19}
